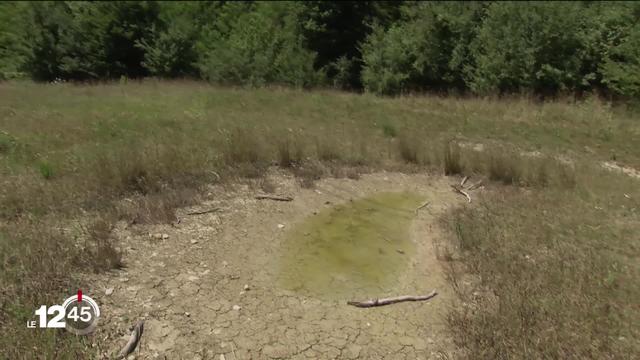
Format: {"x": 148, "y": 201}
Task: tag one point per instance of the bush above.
{"x": 621, "y": 68}
{"x": 262, "y": 46}
{"x": 429, "y": 49}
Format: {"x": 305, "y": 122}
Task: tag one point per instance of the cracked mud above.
{"x": 210, "y": 289}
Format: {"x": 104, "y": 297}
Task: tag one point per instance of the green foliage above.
{"x": 46, "y": 169}
{"x": 621, "y": 65}
{"x": 170, "y": 49}
{"x": 382, "y": 73}
{"x": 12, "y": 49}
{"x": 540, "y": 47}
{"x": 335, "y": 30}
{"x": 86, "y": 40}
{"x": 428, "y": 49}
{"x": 503, "y": 47}
{"x": 262, "y": 46}
{"x": 171, "y": 52}
{"x": 545, "y": 48}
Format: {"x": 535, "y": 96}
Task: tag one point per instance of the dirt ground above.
{"x": 206, "y": 288}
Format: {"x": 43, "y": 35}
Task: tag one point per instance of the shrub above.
{"x": 261, "y": 46}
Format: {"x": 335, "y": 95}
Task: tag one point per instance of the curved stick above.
{"x": 462, "y": 192}
{"x": 136, "y": 335}
{"x": 391, "y": 300}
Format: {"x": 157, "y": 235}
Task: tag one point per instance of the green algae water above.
{"x": 358, "y": 248}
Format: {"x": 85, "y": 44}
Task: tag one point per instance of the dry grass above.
{"x": 135, "y": 152}
{"x": 290, "y": 153}
{"x": 452, "y": 164}
{"x": 541, "y": 275}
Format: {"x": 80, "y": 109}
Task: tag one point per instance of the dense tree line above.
{"x": 382, "y": 47}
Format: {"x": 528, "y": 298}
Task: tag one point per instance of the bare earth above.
{"x": 190, "y": 286}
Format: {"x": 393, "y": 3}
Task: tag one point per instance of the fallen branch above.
{"x": 460, "y": 191}
{"x": 273, "y": 197}
{"x": 391, "y": 300}
{"x": 475, "y": 186}
{"x": 464, "y": 180}
{"x": 203, "y": 211}
{"x": 134, "y": 340}
{"x": 421, "y": 206}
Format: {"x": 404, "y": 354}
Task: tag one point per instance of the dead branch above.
{"x": 391, "y": 300}
{"x": 460, "y": 191}
{"x": 134, "y": 340}
{"x": 421, "y": 206}
{"x": 464, "y": 180}
{"x": 475, "y": 186}
{"x": 273, "y": 197}
{"x": 200, "y": 212}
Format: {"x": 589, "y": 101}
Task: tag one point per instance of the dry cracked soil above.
{"x": 206, "y": 286}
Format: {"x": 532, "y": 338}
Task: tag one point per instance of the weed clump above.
{"x": 409, "y": 147}
{"x": 289, "y": 153}
{"x": 45, "y": 169}
{"x": 452, "y": 162}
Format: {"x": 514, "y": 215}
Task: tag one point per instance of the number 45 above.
{"x": 84, "y": 316}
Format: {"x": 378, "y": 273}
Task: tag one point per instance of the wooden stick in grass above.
{"x": 273, "y": 197}
{"x": 460, "y": 191}
{"x": 464, "y": 180}
{"x": 391, "y": 300}
{"x": 134, "y": 340}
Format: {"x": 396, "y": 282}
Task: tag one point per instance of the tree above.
{"x": 427, "y": 49}
{"x": 257, "y": 47}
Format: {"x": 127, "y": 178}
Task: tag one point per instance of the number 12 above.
{"x": 58, "y": 319}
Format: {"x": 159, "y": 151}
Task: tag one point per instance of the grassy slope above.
{"x": 65, "y": 149}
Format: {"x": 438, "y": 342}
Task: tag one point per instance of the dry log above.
{"x": 391, "y": 300}
{"x": 134, "y": 340}
{"x": 421, "y": 206}
{"x": 200, "y": 212}
{"x": 462, "y": 192}
{"x": 464, "y": 180}
{"x": 273, "y": 197}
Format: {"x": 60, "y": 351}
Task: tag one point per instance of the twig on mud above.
{"x": 273, "y": 197}
{"x": 464, "y": 180}
{"x": 391, "y": 300}
{"x": 421, "y": 206}
{"x": 460, "y": 191}
{"x": 203, "y": 211}
{"x": 134, "y": 340}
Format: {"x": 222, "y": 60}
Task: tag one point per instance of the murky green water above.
{"x": 354, "y": 249}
